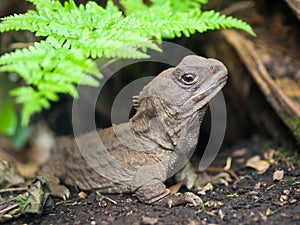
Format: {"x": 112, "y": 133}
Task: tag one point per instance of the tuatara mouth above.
{"x": 223, "y": 79}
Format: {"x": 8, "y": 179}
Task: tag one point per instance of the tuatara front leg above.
{"x": 148, "y": 186}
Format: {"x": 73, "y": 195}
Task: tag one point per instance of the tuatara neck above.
{"x": 155, "y": 120}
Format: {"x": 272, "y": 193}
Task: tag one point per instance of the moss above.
{"x": 291, "y": 155}
{"x": 267, "y": 145}
{"x": 294, "y": 123}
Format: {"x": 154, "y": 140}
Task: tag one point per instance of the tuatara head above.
{"x": 189, "y": 86}
{"x": 173, "y": 104}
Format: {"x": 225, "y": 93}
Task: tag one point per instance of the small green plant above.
{"x": 235, "y": 195}
{"x": 201, "y": 208}
{"x": 75, "y": 36}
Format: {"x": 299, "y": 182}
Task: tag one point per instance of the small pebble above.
{"x": 286, "y": 192}
{"x": 149, "y": 220}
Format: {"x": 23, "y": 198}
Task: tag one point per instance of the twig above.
{"x": 220, "y": 169}
{"x": 107, "y": 198}
{"x": 9, "y": 208}
{"x": 271, "y": 186}
{"x": 13, "y": 189}
{"x": 7, "y": 201}
{"x": 63, "y": 202}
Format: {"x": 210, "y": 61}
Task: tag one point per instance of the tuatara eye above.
{"x": 188, "y": 78}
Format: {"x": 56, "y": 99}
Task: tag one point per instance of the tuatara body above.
{"x": 138, "y": 156}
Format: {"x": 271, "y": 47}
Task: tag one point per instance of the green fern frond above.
{"x": 35, "y": 102}
{"x": 86, "y": 28}
{"x": 164, "y": 21}
{"x": 215, "y": 20}
{"x": 50, "y": 71}
{"x": 41, "y": 4}
{"x": 60, "y": 21}
{"x": 134, "y": 6}
{"x": 78, "y": 35}
{"x": 184, "y": 5}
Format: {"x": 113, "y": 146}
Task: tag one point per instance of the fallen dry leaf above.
{"x": 82, "y": 195}
{"x": 283, "y": 198}
{"x": 278, "y": 175}
{"x": 34, "y": 201}
{"x": 269, "y": 155}
{"x": 268, "y": 212}
{"x": 258, "y": 164}
{"x": 286, "y": 192}
{"x": 175, "y": 188}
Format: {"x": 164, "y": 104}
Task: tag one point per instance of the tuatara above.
{"x": 138, "y": 156}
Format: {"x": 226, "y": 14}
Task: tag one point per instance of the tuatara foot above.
{"x": 171, "y": 200}
{"x": 157, "y": 194}
{"x": 57, "y": 189}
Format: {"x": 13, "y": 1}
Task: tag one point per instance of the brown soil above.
{"x": 255, "y": 199}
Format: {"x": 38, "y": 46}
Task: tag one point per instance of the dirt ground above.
{"x": 255, "y": 199}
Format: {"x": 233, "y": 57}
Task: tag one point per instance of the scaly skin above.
{"x": 138, "y": 156}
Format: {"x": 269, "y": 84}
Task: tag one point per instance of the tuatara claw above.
{"x": 170, "y": 203}
{"x": 191, "y": 199}
{"x": 66, "y": 194}
{"x": 58, "y": 190}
